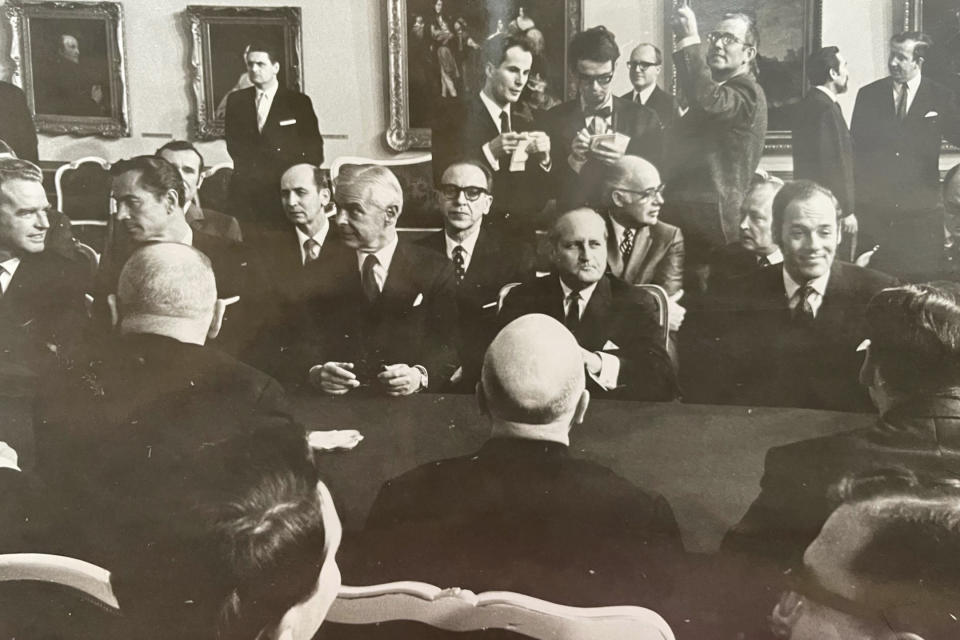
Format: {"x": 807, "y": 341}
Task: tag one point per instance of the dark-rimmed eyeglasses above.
{"x": 726, "y": 38}
{"x": 453, "y": 191}
{"x": 646, "y": 194}
{"x": 634, "y": 66}
{"x": 603, "y": 80}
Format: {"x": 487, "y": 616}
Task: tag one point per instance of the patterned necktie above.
{"x": 368, "y": 279}
{"x": 311, "y": 249}
{"x": 626, "y": 244}
{"x": 504, "y": 122}
{"x": 459, "y": 267}
{"x": 902, "y": 103}
{"x": 572, "y": 318}
{"x": 803, "y": 312}
{"x": 262, "y": 110}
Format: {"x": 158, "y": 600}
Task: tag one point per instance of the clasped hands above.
{"x": 581, "y": 150}
{"x": 338, "y": 378}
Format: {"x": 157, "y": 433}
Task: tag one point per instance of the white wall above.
{"x": 344, "y": 66}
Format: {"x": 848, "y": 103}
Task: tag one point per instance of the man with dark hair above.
{"x": 714, "y": 149}
{"x": 16, "y": 126}
{"x": 822, "y": 147}
{"x": 788, "y": 336}
{"x": 493, "y": 128}
{"x": 268, "y": 128}
{"x": 898, "y": 124}
{"x": 188, "y": 161}
{"x": 523, "y": 513}
{"x": 614, "y": 323}
{"x": 596, "y": 128}
{"x": 646, "y": 63}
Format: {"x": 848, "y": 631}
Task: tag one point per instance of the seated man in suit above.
{"x": 490, "y": 126}
{"x": 757, "y": 246}
{"x": 188, "y": 161}
{"x": 377, "y": 312}
{"x": 646, "y": 63}
{"x": 522, "y": 513}
{"x": 484, "y": 258}
{"x": 42, "y": 313}
{"x": 883, "y": 566}
{"x": 572, "y": 126}
{"x": 610, "y": 319}
{"x": 788, "y": 336}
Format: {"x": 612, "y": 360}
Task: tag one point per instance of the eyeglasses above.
{"x": 634, "y": 66}
{"x": 453, "y": 191}
{"x": 646, "y": 194}
{"x": 603, "y": 80}
{"x": 726, "y": 38}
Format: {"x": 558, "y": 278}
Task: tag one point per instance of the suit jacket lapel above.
{"x": 614, "y": 257}
{"x": 640, "y": 260}
{"x": 484, "y": 255}
{"x": 590, "y": 332}
{"x": 921, "y": 102}
{"x": 400, "y": 289}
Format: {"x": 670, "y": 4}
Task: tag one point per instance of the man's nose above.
{"x": 122, "y": 212}
{"x": 743, "y": 224}
{"x": 340, "y": 217}
{"x": 42, "y": 221}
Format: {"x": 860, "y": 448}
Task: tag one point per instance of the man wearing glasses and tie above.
{"x": 646, "y": 63}
{"x": 713, "y": 150}
{"x": 596, "y": 127}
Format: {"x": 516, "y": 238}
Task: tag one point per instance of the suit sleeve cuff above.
{"x": 686, "y": 42}
{"x": 609, "y": 371}
{"x": 424, "y": 378}
{"x": 488, "y": 154}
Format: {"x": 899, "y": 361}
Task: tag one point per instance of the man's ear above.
{"x": 582, "y": 403}
{"x": 616, "y": 197}
{"x": 325, "y": 197}
{"x": 114, "y": 310}
{"x": 393, "y": 212}
{"x": 216, "y": 322}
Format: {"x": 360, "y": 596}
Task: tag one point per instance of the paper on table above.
{"x": 336, "y": 439}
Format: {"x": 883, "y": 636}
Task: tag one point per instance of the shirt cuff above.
{"x": 488, "y": 154}
{"x": 609, "y": 371}
{"x": 547, "y": 165}
{"x": 424, "y": 378}
{"x": 575, "y": 163}
{"x": 686, "y": 42}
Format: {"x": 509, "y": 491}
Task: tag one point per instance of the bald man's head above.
{"x": 164, "y": 285}
{"x": 533, "y": 373}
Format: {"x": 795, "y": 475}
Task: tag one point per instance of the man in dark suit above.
{"x": 489, "y": 127}
{"x": 16, "y": 126}
{"x": 484, "y": 258}
{"x": 42, "y": 315}
{"x": 268, "y": 128}
{"x": 573, "y": 126}
{"x": 898, "y": 124}
{"x": 612, "y": 321}
{"x": 522, "y": 513}
{"x": 188, "y": 161}
{"x": 714, "y": 149}
{"x": 822, "y": 146}
{"x": 377, "y": 312}
{"x": 646, "y": 63}
{"x": 792, "y": 333}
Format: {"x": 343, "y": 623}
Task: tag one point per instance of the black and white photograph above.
{"x": 455, "y": 319}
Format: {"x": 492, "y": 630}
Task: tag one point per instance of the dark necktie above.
{"x": 368, "y": 279}
{"x": 902, "y": 102}
{"x": 803, "y": 312}
{"x": 636, "y": 97}
{"x": 572, "y": 318}
{"x": 504, "y": 122}
{"x": 763, "y": 261}
{"x": 626, "y": 244}
{"x": 459, "y": 267}
{"x": 311, "y": 250}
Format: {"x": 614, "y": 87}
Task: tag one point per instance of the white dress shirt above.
{"x": 644, "y": 93}
{"x": 9, "y": 267}
{"x": 596, "y": 123}
{"x": 494, "y": 110}
{"x": 791, "y": 288}
{"x": 384, "y": 258}
{"x": 469, "y": 244}
{"x": 319, "y": 237}
{"x": 268, "y": 94}
{"x": 609, "y": 364}
{"x": 774, "y": 258}
{"x": 912, "y": 86}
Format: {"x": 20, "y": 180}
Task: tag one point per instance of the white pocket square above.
{"x": 419, "y": 300}
{"x": 490, "y": 305}
{"x": 285, "y": 123}
{"x": 610, "y": 346}
{"x": 931, "y": 114}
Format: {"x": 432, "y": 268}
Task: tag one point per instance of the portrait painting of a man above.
{"x": 70, "y": 67}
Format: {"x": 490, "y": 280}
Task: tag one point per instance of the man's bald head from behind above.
{"x": 532, "y": 383}
{"x": 168, "y": 289}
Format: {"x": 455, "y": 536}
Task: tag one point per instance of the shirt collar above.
{"x": 830, "y": 94}
{"x": 10, "y": 266}
{"x": 776, "y": 257}
{"x": 915, "y": 83}
{"x": 270, "y": 92}
{"x": 319, "y": 236}
{"x": 384, "y": 255}
{"x": 791, "y": 286}
{"x": 468, "y": 244}
{"x": 494, "y": 109}
{"x": 645, "y": 92}
{"x": 585, "y": 293}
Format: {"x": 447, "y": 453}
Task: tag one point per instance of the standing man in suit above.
{"x": 268, "y": 128}
{"x": 822, "y": 146}
{"x": 714, "y": 149}
{"x": 577, "y": 155}
{"x": 16, "y": 126}
{"x": 646, "y": 63}
{"x": 378, "y": 313}
{"x": 794, "y": 332}
{"x": 484, "y": 258}
{"x": 611, "y": 320}
{"x": 42, "y": 313}
{"x": 188, "y": 161}
{"x": 898, "y": 124}
{"x": 491, "y": 125}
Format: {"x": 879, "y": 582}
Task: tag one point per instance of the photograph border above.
{"x": 199, "y": 18}
{"x": 19, "y": 14}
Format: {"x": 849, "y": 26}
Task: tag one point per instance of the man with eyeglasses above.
{"x": 646, "y": 63}
{"x": 588, "y": 131}
{"x": 484, "y": 258}
{"x": 614, "y": 323}
{"x": 714, "y": 149}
